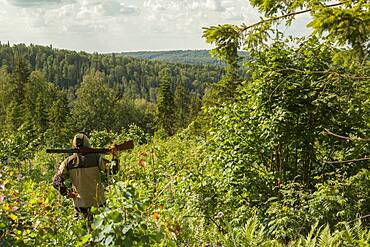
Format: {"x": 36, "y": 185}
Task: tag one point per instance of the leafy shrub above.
{"x": 17, "y": 146}
{"x": 124, "y": 221}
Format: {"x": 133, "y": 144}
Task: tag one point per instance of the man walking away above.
{"x": 84, "y": 172}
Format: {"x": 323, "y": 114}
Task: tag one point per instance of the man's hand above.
{"x": 72, "y": 194}
{"x": 113, "y": 150}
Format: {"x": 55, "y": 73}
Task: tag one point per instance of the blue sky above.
{"x": 121, "y": 25}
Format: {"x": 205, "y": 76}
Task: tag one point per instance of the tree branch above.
{"x": 245, "y": 28}
{"x": 346, "y": 161}
{"x": 324, "y": 72}
{"x": 346, "y": 137}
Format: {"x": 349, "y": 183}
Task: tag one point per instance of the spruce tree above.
{"x": 41, "y": 112}
{"x": 57, "y": 116}
{"x": 21, "y": 73}
{"x": 13, "y": 117}
{"x": 165, "y": 106}
{"x": 7, "y": 89}
{"x": 182, "y": 102}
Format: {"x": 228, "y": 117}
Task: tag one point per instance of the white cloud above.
{"x": 81, "y": 16}
{"x": 155, "y": 5}
{"x": 37, "y": 3}
{"x": 126, "y": 9}
{"x": 214, "y": 5}
{"x": 107, "y": 25}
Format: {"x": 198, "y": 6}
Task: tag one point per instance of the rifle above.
{"x": 112, "y": 149}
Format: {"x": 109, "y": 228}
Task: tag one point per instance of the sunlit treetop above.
{"x": 343, "y": 23}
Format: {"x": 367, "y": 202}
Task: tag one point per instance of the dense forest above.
{"x": 273, "y": 153}
{"x": 51, "y": 90}
{"x": 196, "y": 57}
{"x": 134, "y": 76}
{"x": 200, "y": 57}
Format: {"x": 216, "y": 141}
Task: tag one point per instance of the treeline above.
{"x": 56, "y": 92}
{"x": 199, "y": 57}
{"x": 196, "y": 57}
{"x": 136, "y": 78}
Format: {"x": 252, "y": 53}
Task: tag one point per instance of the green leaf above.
{"x": 108, "y": 241}
{"x": 13, "y": 217}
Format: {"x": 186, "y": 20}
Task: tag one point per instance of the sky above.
{"x": 122, "y": 25}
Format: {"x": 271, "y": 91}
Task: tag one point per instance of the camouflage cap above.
{"x": 80, "y": 140}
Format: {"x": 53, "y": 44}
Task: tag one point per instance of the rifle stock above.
{"x": 85, "y": 150}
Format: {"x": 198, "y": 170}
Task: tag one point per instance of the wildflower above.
{"x": 155, "y": 216}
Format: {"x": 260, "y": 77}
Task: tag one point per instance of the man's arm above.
{"x": 115, "y": 165}
{"x": 60, "y": 176}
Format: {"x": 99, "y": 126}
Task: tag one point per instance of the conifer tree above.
{"x": 195, "y": 106}
{"x": 15, "y": 111}
{"x": 165, "y": 106}
{"x": 41, "y": 112}
{"x": 57, "y": 119}
{"x": 13, "y": 117}
{"x": 21, "y": 73}
{"x": 182, "y": 102}
{"x": 6, "y": 92}
{"x": 35, "y": 101}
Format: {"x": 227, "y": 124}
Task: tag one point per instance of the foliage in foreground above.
{"x": 272, "y": 150}
{"x": 266, "y": 172}
{"x": 160, "y": 198}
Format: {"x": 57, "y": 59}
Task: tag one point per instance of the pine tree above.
{"x": 21, "y": 73}
{"x": 182, "y": 102}
{"x": 41, "y": 113}
{"x": 57, "y": 120}
{"x": 165, "y": 106}
{"x": 7, "y": 89}
{"x": 195, "y": 106}
{"x": 13, "y": 117}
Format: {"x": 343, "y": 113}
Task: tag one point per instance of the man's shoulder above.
{"x": 70, "y": 159}
{"x": 82, "y": 161}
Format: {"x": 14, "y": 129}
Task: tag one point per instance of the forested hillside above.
{"x": 196, "y": 57}
{"x": 59, "y": 91}
{"x": 138, "y": 78}
{"x": 277, "y": 156}
{"x": 200, "y": 57}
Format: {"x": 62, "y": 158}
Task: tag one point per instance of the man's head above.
{"x": 80, "y": 140}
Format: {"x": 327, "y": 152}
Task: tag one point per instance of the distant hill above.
{"x": 200, "y": 57}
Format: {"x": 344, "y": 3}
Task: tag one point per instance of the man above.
{"x": 84, "y": 172}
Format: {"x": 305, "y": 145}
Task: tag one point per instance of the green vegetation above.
{"x": 199, "y": 57}
{"x": 55, "y": 92}
{"x": 277, "y": 159}
{"x": 194, "y": 57}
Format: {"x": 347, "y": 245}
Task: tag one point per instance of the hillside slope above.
{"x": 178, "y": 56}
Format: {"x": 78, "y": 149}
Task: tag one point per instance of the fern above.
{"x": 311, "y": 238}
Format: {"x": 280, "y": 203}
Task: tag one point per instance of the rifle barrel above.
{"x": 78, "y": 150}
{"x": 86, "y": 150}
